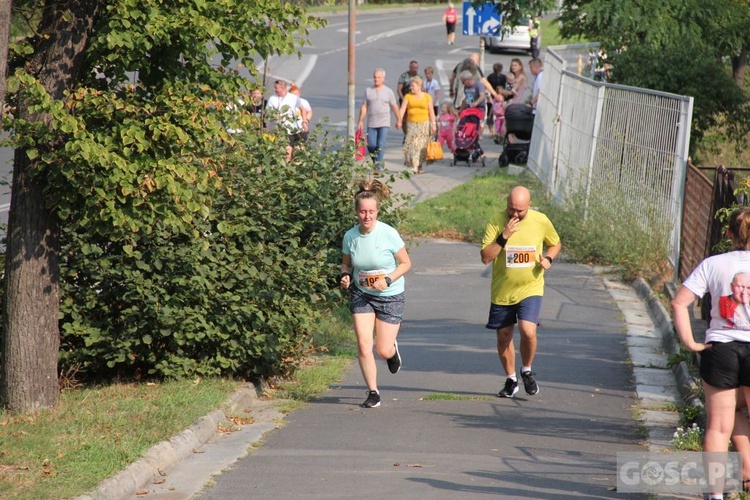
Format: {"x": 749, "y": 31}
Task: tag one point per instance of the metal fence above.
{"x": 626, "y": 144}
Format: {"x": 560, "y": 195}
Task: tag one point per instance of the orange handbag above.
{"x": 434, "y": 151}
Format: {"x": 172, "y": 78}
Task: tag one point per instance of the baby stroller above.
{"x": 467, "y": 136}
{"x": 519, "y": 122}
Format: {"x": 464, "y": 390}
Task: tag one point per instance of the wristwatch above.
{"x": 388, "y": 280}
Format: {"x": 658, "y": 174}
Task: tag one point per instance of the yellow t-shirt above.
{"x": 418, "y": 110}
{"x": 516, "y": 273}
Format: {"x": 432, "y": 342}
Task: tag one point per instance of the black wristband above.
{"x": 501, "y": 240}
{"x": 550, "y": 259}
{"x": 345, "y": 274}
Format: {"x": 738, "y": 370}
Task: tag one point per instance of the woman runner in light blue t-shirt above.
{"x": 374, "y": 263}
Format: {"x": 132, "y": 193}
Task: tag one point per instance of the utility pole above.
{"x": 351, "y": 67}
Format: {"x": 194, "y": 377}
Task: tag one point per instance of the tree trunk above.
{"x": 31, "y": 333}
{"x": 739, "y": 67}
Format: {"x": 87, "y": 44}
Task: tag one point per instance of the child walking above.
{"x": 446, "y": 124}
{"x": 498, "y": 111}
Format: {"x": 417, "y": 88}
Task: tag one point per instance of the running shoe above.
{"x": 372, "y": 401}
{"x": 510, "y": 389}
{"x": 394, "y": 362}
{"x": 529, "y": 383}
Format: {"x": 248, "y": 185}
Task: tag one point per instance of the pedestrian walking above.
{"x": 535, "y": 31}
{"x": 403, "y": 86}
{"x": 432, "y": 87}
{"x": 536, "y": 69}
{"x": 374, "y": 263}
{"x": 418, "y": 113}
{"x": 514, "y": 242}
{"x": 470, "y": 64}
{"x": 304, "y": 113}
{"x": 258, "y": 105}
{"x": 377, "y": 105}
{"x": 281, "y": 111}
{"x": 495, "y": 79}
{"x": 447, "y": 126}
{"x": 725, "y": 352}
{"x": 450, "y": 17}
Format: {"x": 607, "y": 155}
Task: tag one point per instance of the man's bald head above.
{"x": 519, "y": 201}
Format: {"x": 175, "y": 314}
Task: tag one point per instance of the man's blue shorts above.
{"x": 528, "y": 309}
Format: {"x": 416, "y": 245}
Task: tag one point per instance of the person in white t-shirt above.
{"x": 281, "y": 111}
{"x": 725, "y": 352}
{"x": 304, "y": 113}
{"x": 432, "y": 86}
{"x": 536, "y": 69}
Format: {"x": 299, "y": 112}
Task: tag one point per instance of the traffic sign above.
{"x": 484, "y": 19}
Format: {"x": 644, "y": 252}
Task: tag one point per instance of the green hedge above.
{"x": 236, "y": 292}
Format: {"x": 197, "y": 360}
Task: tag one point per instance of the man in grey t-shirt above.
{"x": 377, "y": 105}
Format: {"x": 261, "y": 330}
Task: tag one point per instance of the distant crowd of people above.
{"x": 424, "y": 115}
{"x": 417, "y": 104}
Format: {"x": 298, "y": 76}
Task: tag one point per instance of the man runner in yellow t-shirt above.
{"x": 514, "y": 241}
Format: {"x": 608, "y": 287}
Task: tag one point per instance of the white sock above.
{"x": 512, "y": 377}
{"x": 525, "y": 369}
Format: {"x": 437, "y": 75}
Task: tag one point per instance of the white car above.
{"x": 516, "y": 38}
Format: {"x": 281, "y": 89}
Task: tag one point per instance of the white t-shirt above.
{"x": 304, "y": 105}
{"x": 730, "y": 320}
{"x": 432, "y": 87}
{"x": 282, "y": 111}
{"x": 537, "y": 86}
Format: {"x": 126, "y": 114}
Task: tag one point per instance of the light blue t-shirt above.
{"x": 373, "y": 256}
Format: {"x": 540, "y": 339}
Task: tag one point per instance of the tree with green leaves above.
{"x": 514, "y": 11}
{"x": 119, "y": 126}
{"x": 677, "y": 46}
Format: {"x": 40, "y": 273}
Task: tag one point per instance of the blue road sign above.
{"x": 484, "y": 19}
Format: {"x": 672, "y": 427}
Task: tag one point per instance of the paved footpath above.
{"x": 440, "y": 432}
{"x": 560, "y": 443}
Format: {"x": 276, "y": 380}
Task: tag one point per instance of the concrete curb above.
{"x": 166, "y": 454}
{"x": 686, "y": 383}
{"x": 651, "y": 341}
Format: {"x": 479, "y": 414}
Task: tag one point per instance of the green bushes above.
{"x": 235, "y": 291}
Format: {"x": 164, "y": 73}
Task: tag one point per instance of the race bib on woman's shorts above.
{"x": 367, "y": 279}
{"x": 520, "y": 256}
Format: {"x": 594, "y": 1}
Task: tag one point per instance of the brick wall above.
{"x": 696, "y": 218}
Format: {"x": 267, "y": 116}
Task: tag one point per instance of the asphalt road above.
{"x": 386, "y": 39}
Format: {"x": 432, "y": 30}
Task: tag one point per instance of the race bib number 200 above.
{"x": 520, "y": 256}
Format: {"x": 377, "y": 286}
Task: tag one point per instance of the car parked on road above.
{"x": 510, "y": 38}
